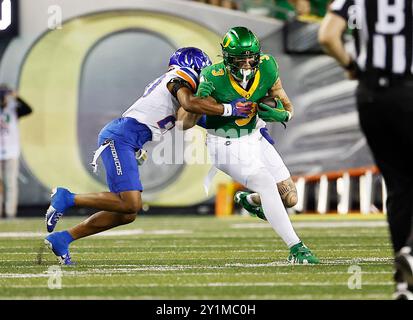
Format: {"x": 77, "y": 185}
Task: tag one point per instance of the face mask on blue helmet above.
{"x": 190, "y": 57}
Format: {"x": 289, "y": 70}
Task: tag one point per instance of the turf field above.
{"x": 200, "y": 258}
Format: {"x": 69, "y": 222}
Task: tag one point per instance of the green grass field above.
{"x": 178, "y": 257}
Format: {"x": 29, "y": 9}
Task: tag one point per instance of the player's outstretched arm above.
{"x": 194, "y": 104}
{"x": 181, "y": 90}
{"x": 186, "y": 120}
{"x": 240, "y": 108}
{"x": 277, "y": 91}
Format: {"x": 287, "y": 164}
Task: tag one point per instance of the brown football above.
{"x": 270, "y": 101}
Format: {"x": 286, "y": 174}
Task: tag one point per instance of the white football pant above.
{"x": 253, "y": 161}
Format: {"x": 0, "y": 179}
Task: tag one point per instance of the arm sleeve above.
{"x": 23, "y": 109}
{"x": 178, "y": 83}
{"x": 341, "y": 8}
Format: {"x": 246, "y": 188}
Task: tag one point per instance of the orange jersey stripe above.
{"x": 187, "y": 78}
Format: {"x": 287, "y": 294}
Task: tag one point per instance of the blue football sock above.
{"x": 67, "y": 237}
{"x": 71, "y": 199}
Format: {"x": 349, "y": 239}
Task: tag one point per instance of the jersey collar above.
{"x": 240, "y": 90}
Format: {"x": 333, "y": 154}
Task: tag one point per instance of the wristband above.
{"x": 227, "y": 110}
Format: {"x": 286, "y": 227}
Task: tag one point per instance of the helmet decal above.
{"x": 190, "y": 57}
{"x": 226, "y": 42}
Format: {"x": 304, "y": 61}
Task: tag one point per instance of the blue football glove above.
{"x": 240, "y": 108}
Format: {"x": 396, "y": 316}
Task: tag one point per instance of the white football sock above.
{"x": 274, "y": 210}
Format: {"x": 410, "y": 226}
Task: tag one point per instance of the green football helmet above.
{"x": 241, "y": 51}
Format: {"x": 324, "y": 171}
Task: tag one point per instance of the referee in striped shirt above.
{"x": 383, "y": 64}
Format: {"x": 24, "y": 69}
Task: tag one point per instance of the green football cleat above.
{"x": 255, "y": 211}
{"x": 300, "y": 254}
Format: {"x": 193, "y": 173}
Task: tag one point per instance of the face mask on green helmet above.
{"x": 241, "y": 51}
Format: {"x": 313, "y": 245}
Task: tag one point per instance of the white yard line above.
{"x": 335, "y": 261}
{"x": 271, "y": 247}
{"x": 115, "y": 233}
{"x": 131, "y": 268}
{"x": 316, "y": 224}
{"x": 210, "y": 284}
{"x": 132, "y": 273}
{"x": 205, "y": 297}
{"x": 120, "y": 253}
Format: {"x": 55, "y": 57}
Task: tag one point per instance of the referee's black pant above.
{"x": 386, "y": 119}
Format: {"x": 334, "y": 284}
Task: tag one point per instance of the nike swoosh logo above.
{"x": 49, "y": 222}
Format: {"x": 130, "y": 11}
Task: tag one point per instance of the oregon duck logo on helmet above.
{"x": 241, "y": 51}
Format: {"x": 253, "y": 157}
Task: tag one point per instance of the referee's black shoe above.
{"x": 404, "y": 264}
{"x": 403, "y": 291}
{"x": 404, "y": 275}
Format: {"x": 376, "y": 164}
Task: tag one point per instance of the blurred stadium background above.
{"x": 82, "y": 60}
{"x": 81, "y": 63}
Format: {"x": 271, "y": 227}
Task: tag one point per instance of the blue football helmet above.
{"x": 190, "y": 57}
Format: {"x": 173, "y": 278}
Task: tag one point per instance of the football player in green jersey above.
{"x": 242, "y": 148}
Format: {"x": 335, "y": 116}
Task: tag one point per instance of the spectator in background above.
{"x": 263, "y": 8}
{"x": 11, "y": 109}
{"x": 279, "y": 9}
{"x": 319, "y": 7}
{"x": 301, "y": 7}
{"x": 228, "y": 4}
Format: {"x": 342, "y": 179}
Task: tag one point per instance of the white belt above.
{"x": 97, "y": 154}
{"x": 141, "y": 155}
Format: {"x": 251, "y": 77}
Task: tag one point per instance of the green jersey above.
{"x": 228, "y": 89}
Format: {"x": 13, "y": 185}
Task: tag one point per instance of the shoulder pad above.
{"x": 189, "y": 75}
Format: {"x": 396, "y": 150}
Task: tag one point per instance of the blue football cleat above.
{"x": 58, "y": 243}
{"x": 62, "y": 199}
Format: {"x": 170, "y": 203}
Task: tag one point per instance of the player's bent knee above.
{"x": 132, "y": 202}
{"x": 133, "y": 208}
{"x": 129, "y": 218}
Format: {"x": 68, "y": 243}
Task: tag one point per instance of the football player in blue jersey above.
{"x": 151, "y": 115}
